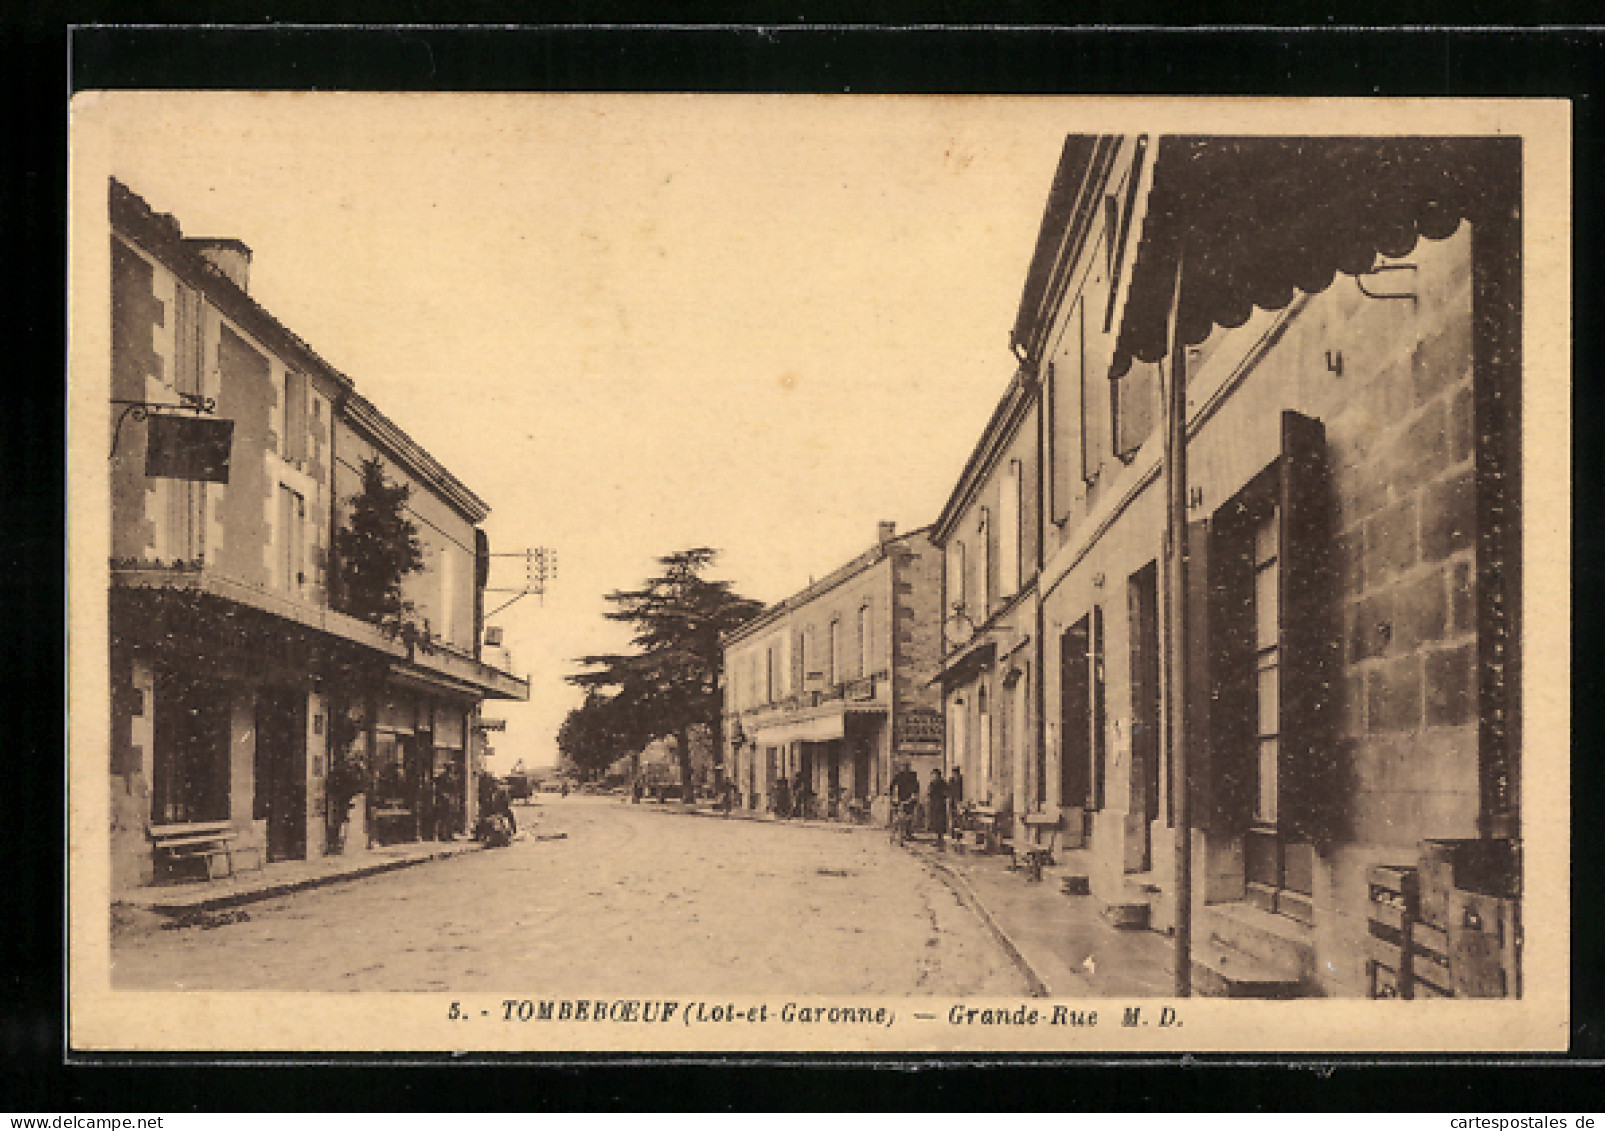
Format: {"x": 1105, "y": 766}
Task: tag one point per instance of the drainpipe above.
{"x": 1038, "y": 693}
{"x": 1175, "y": 478}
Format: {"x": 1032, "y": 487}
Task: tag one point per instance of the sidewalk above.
{"x": 285, "y": 876}
{"x": 1061, "y": 943}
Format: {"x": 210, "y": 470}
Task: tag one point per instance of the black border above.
{"x": 48, "y": 58}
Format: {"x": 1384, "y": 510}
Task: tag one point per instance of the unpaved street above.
{"x": 633, "y": 899}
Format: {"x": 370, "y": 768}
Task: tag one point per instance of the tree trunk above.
{"x": 685, "y": 764}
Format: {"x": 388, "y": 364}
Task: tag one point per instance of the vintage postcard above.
{"x": 720, "y": 574}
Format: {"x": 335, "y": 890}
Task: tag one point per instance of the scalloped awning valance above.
{"x": 1255, "y": 220}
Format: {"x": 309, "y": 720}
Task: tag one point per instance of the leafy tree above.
{"x": 590, "y": 740}
{"x": 375, "y": 550}
{"x": 671, "y": 683}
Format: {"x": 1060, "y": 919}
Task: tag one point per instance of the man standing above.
{"x": 905, "y": 790}
{"x": 936, "y": 806}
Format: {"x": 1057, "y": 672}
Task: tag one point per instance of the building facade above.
{"x": 233, "y": 671}
{"x": 989, "y": 536}
{"x": 831, "y": 686}
{"x": 1344, "y": 316}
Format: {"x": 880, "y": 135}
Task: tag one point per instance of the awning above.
{"x": 825, "y": 728}
{"x": 966, "y": 665}
{"x": 1256, "y": 219}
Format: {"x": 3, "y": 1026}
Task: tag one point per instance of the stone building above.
{"x": 832, "y": 685}
{"x": 989, "y": 536}
{"x": 1348, "y": 318}
{"x": 232, "y": 669}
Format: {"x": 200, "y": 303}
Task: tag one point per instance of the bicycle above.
{"x": 902, "y": 822}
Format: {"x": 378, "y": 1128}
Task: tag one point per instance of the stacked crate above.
{"x": 1449, "y": 927}
{"x": 1469, "y": 897}
{"x": 1393, "y": 905}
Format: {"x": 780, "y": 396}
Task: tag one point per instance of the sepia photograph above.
{"x": 652, "y": 573}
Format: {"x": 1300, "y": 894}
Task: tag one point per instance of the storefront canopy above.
{"x": 1254, "y": 220}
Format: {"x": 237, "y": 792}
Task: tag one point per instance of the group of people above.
{"x": 793, "y": 800}
{"x": 944, "y": 798}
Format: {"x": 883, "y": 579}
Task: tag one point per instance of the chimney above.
{"x": 887, "y": 531}
{"x": 230, "y": 256}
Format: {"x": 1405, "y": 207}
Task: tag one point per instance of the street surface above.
{"x": 634, "y": 899}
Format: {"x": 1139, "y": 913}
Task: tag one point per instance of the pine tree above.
{"x": 671, "y": 684}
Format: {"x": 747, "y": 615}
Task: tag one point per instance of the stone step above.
{"x": 1124, "y": 916}
{"x": 1274, "y": 941}
{"x": 1224, "y": 971}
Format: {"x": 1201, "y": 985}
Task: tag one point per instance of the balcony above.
{"x": 419, "y": 659}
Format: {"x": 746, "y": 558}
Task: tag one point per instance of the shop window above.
{"x": 190, "y": 756}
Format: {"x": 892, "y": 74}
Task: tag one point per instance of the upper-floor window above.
{"x": 1010, "y": 514}
{"x": 863, "y": 640}
{"x": 448, "y": 594}
{"x": 1136, "y": 406}
{"x": 294, "y": 445}
{"x": 1095, "y": 355}
{"x": 958, "y": 598}
{"x": 832, "y": 656}
{"x": 1064, "y": 418}
{"x": 769, "y": 673}
{"x": 983, "y": 564}
{"x": 291, "y": 538}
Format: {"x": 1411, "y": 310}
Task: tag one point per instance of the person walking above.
{"x": 936, "y": 806}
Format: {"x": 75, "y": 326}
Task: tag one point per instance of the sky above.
{"x": 633, "y": 324}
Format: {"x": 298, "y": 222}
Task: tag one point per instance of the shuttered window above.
{"x": 1264, "y": 655}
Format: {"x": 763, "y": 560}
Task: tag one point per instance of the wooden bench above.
{"x": 1035, "y": 855}
{"x": 196, "y": 840}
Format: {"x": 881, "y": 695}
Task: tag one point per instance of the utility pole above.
{"x": 540, "y": 566}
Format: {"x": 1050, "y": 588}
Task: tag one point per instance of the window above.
{"x": 1095, "y": 393}
{"x": 1066, "y": 460}
{"x": 864, "y": 668}
{"x": 295, "y": 416}
{"x": 833, "y": 655}
{"x": 448, "y": 593}
{"x": 1009, "y": 516}
{"x": 983, "y": 566}
{"x": 1081, "y": 761}
{"x": 983, "y": 732}
{"x": 957, "y": 579}
{"x": 1267, "y": 598}
{"x": 291, "y": 534}
{"x": 769, "y": 673}
{"x": 1135, "y": 400}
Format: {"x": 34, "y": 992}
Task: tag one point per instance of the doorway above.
{"x": 1142, "y": 596}
{"x": 281, "y": 771}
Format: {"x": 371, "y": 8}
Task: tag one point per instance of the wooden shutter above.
{"x": 1136, "y": 406}
{"x": 1308, "y": 635}
{"x": 1095, "y": 737}
{"x": 1142, "y": 615}
{"x": 1074, "y": 761}
{"x": 1199, "y": 676}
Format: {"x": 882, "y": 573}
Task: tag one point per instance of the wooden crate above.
{"x": 1484, "y": 945}
{"x": 1391, "y": 912}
